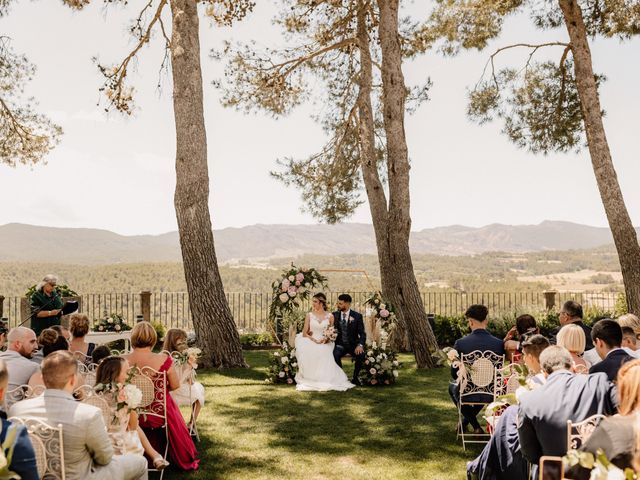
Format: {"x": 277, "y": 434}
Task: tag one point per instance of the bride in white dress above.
{"x": 317, "y": 369}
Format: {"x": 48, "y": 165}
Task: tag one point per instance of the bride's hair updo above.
{"x": 322, "y": 298}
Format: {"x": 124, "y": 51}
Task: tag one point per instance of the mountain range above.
{"x": 19, "y": 242}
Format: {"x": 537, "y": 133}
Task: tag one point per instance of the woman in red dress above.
{"x": 182, "y": 451}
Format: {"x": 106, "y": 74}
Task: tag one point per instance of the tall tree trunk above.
{"x": 394, "y": 92}
{"x": 212, "y": 319}
{"x": 373, "y": 184}
{"x": 624, "y": 235}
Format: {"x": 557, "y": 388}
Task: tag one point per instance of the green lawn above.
{"x": 253, "y": 430}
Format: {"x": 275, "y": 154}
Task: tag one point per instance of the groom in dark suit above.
{"x": 351, "y": 335}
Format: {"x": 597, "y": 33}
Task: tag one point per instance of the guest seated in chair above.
{"x": 125, "y": 433}
{"x": 501, "y": 458}
{"x": 23, "y": 460}
{"x": 618, "y": 436}
{"x": 572, "y": 338}
{"x": 479, "y": 339}
{"x": 630, "y": 342}
{"x": 88, "y": 453}
{"x": 182, "y": 451}
{"x": 607, "y": 337}
{"x": 524, "y": 327}
{"x": 79, "y": 327}
{"x": 544, "y": 411}
{"x": 190, "y": 392}
{"x": 22, "y": 345}
{"x": 50, "y": 341}
{"x": 571, "y": 313}
{"x": 100, "y": 353}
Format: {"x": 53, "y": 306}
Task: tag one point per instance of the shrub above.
{"x": 256, "y": 339}
{"x": 160, "y": 329}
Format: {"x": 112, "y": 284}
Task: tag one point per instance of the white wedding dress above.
{"x": 317, "y": 370}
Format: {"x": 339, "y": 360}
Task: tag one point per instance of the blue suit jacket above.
{"x": 544, "y": 412}
{"x": 611, "y": 364}
{"x": 479, "y": 339}
{"x": 24, "y": 457}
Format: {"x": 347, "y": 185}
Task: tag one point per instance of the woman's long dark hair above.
{"x": 322, "y": 298}
{"x": 109, "y": 370}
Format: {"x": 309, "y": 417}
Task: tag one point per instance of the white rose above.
{"x": 133, "y": 395}
{"x": 301, "y": 290}
{"x": 452, "y": 355}
{"x": 395, "y": 373}
{"x": 291, "y": 278}
{"x": 281, "y": 374}
{"x": 117, "y": 328}
{"x": 284, "y": 298}
{"x": 276, "y": 354}
{"x": 383, "y": 306}
{"x": 294, "y": 364}
{"x": 372, "y": 371}
{"x": 395, "y": 363}
{"x": 284, "y": 360}
{"x": 110, "y": 320}
{"x": 293, "y": 352}
{"x": 371, "y": 359}
{"x": 370, "y": 353}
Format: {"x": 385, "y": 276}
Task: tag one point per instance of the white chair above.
{"x": 48, "y": 445}
{"x": 477, "y": 387}
{"x": 579, "y": 432}
{"x": 21, "y": 392}
{"x": 187, "y": 378}
{"x": 153, "y": 385}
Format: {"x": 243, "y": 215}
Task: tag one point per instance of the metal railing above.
{"x": 251, "y": 309}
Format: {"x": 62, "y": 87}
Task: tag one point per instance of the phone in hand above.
{"x": 551, "y": 468}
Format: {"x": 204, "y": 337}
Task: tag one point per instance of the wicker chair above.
{"x": 87, "y": 374}
{"x": 477, "y": 377}
{"x": 98, "y": 400}
{"x": 579, "y": 432}
{"x": 48, "y": 445}
{"x": 81, "y": 357}
{"x": 153, "y": 385}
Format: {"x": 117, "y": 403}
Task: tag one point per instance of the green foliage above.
{"x": 160, "y": 329}
{"x": 256, "y": 339}
{"x": 540, "y": 108}
{"x": 63, "y": 290}
{"x": 26, "y": 137}
{"x": 621, "y": 308}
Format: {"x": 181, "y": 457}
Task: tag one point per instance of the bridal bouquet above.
{"x": 381, "y": 366}
{"x": 330, "y": 333}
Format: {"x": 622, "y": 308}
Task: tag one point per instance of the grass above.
{"x": 252, "y": 430}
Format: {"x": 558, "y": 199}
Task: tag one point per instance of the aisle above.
{"x": 251, "y": 430}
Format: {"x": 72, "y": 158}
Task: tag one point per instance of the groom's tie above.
{"x": 343, "y": 328}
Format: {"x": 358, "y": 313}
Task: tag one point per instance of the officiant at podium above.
{"x": 46, "y": 305}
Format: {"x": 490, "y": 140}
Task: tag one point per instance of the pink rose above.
{"x": 122, "y": 397}
{"x": 374, "y": 381}
{"x": 289, "y": 381}
{"x": 285, "y": 283}
{"x": 292, "y": 291}
{"x": 384, "y": 313}
{"x": 299, "y": 277}
{"x": 284, "y": 298}
{"x": 297, "y": 283}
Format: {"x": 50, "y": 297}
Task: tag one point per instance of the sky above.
{"x": 117, "y": 173}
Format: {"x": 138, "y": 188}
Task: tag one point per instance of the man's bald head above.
{"x": 22, "y": 340}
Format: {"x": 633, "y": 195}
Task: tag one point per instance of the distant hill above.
{"x": 20, "y": 243}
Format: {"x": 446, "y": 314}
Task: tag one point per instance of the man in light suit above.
{"x": 543, "y": 415}
{"x": 88, "y": 452}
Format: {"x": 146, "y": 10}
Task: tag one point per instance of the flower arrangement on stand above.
{"x": 111, "y": 323}
{"x": 293, "y": 288}
{"x": 189, "y": 356}
{"x": 384, "y": 314}
{"x": 283, "y": 365}
{"x": 381, "y": 366}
